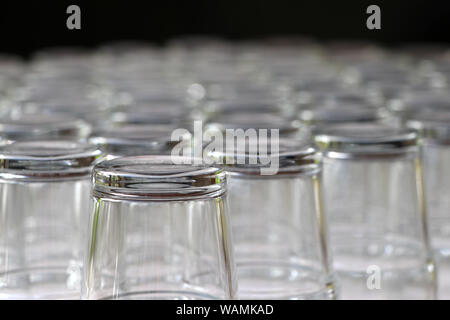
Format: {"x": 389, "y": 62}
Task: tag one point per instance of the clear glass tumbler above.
{"x": 159, "y": 230}
{"x": 156, "y": 112}
{"x": 43, "y": 127}
{"x": 278, "y": 221}
{"x": 374, "y": 196}
{"x": 319, "y": 116}
{"x": 434, "y": 127}
{"x": 256, "y": 119}
{"x": 44, "y": 205}
{"x": 134, "y": 140}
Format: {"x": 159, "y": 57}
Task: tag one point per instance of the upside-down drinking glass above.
{"x": 159, "y": 230}
{"x": 434, "y": 126}
{"x": 44, "y": 203}
{"x": 133, "y": 140}
{"x": 43, "y": 127}
{"x": 374, "y": 197}
{"x": 278, "y": 221}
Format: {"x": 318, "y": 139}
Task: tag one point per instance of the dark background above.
{"x": 28, "y": 26}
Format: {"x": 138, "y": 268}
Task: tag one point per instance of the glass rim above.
{"x": 39, "y": 126}
{"x": 157, "y": 178}
{"x": 75, "y": 108}
{"x": 340, "y": 114}
{"x": 243, "y": 105}
{"x": 152, "y": 116}
{"x": 416, "y": 101}
{"x": 150, "y": 138}
{"x": 47, "y": 159}
{"x": 254, "y": 120}
{"x": 366, "y": 141}
{"x": 432, "y": 125}
{"x": 293, "y": 156}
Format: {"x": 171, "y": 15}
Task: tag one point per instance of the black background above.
{"x": 28, "y": 26}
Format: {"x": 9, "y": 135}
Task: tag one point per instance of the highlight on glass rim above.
{"x": 235, "y": 153}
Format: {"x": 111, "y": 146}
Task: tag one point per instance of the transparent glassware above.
{"x": 279, "y": 227}
{"x": 44, "y": 198}
{"x": 237, "y": 89}
{"x": 413, "y": 101}
{"x": 11, "y": 71}
{"x": 213, "y": 109}
{"x": 91, "y": 111}
{"x": 374, "y": 197}
{"x": 43, "y": 127}
{"x": 138, "y": 86}
{"x": 135, "y": 140}
{"x": 168, "y": 112}
{"x": 287, "y": 127}
{"x": 319, "y": 116}
{"x": 159, "y": 230}
{"x": 323, "y": 90}
{"x": 60, "y": 87}
{"x": 434, "y": 127}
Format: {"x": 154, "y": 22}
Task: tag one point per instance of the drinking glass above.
{"x": 374, "y": 197}
{"x": 129, "y": 140}
{"x": 434, "y": 127}
{"x": 159, "y": 230}
{"x": 156, "y": 112}
{"x": 43, "y": 127}
{"x": 324, "y": 115}
{"x": 44, "y": 200}
{"x": 286, "y": 127}
{"x": 278, "y": 222}
{"x": 414, "y": 101}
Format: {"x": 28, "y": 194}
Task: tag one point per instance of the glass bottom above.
{"x": 39, "y": 284}
{"x": 282, "y": 281}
